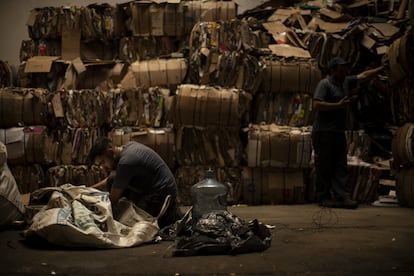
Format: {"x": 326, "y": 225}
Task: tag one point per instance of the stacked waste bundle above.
{"x": 290, "y": 76}
{"x": 403, "y": 164}
{"x": 140, "y": 108}
{"x": 7, "y": 74}
{"x": 23, "y": 119}
{"x": 94, "y": 28}
{"x": 210, "y": 111}
{"x": 82, "y": 55}
{"x": 278, "y": 149}
{"x": 366, "y": 167}
{"x": 227, "y": 54}
{"x": 81, "y": 118}
{"x": 278, "y": 164}
{"x": 160, "y": 29}
{"x": 207, "y": 122}
{"x": 42, "y": 129}
{"x": 401, "y": 70}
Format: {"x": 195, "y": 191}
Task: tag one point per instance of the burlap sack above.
{"x": 79, "y": 216}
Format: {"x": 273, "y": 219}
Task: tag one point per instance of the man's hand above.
{"x": 101, "y": 185}
{"x": 115, "y": 194}
{"x": 345, "y": 101}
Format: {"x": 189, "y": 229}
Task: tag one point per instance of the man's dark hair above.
{"x": 99, "y": 148}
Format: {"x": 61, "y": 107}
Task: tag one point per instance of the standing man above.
{"x": 330, "y": 101}
{"x": 141, "y": 175}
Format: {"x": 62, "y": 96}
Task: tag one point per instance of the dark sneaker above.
{"x": 347, "y": 204}
{"x": 328, "y": 203}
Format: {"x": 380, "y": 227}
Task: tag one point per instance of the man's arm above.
{"x": 369, "y": 74}
{"x": 325, "y": 106}
{"x": 115, "y": 194}
{"x": 101, "y": 185}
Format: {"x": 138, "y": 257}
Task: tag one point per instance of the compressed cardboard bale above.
{"x": 277, "y": 146}
{"x": 96, "y": 51}
{"x": 213, "y": 146}
{"x": 403, "y": 144}
{"x": 290, "y": 76}
{"x": 143, "y": 107}
{"x": 219, "y": 55}
{"x": 287, "y": 109}
{"x": 29, "y": 177}
{"x": 405, "y": 187}
{"x": 175, "y": 18}
{"x": 273, "y": 186}
{"x": 40, "y": 47}
{"x": 363, "y": 181}
{"x": 75, "y": 175}
{"x": 143, "y": 48}
{"x": 196, "y": 105}
{"x": 23, "y": 106}
{"x": 198, "y": 11}
{"x": 25, "y": 145}
{"x": 161, "y": 140}
{"x": 84, "y": 108}
{"x": 72, "y": 145}
{"x": 159, "y": 72}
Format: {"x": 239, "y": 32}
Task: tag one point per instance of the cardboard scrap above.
{"x": 284, "y": 50}
{"x": 39, "y": 64}
{"x": 330, "y": 27}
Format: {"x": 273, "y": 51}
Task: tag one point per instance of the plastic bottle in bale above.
{"x": 208, "y": 195}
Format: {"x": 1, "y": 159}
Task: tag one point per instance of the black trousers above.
{"x": 152, "y": 204}
{"x": 330, "y": 164}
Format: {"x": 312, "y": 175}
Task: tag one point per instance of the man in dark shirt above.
{"x": 141, "y": 175}
{"x": 330, "y": 101}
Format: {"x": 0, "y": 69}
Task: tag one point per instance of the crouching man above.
{"x": 141, "y": 176}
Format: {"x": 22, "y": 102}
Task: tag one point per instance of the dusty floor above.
{"x": 367, "y": 241}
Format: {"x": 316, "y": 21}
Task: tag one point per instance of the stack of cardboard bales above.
{"x": 206, "y": 86}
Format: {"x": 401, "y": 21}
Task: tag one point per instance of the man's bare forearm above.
{"x": 101, "y": 185}
{"x": 369, "y": 74}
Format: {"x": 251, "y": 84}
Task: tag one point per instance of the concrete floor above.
{"x": 307, "y": 240}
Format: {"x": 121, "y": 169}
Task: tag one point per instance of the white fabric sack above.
{"x": 11, "y": 204}
{"x": 80, "y": 216}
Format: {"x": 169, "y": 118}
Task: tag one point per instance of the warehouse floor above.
{"x": 306, "y": 240}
